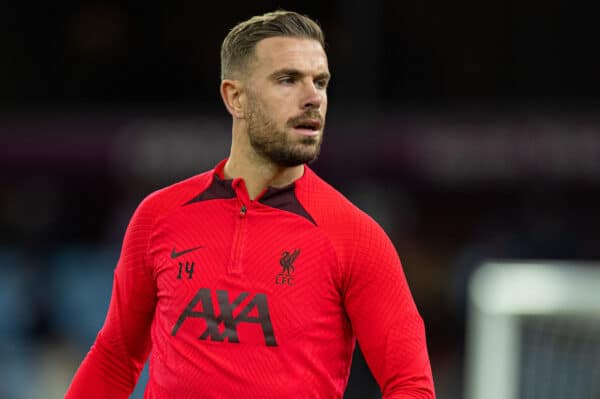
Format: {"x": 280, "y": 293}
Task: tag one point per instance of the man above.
{"x": 254, "y": 279}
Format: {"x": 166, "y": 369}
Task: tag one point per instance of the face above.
{"x": 286, "y": 100}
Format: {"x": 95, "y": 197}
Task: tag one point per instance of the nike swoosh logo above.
{"x": 175, "y": 254}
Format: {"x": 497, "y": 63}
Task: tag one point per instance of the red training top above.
{"x": 255, "y": 299}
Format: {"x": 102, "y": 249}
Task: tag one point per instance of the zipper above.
{"x": 235, "y": 265}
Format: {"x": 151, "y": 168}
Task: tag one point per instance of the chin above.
{"x": 295, "y": 159}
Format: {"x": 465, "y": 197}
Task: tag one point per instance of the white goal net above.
{"x": 534, "y": 331}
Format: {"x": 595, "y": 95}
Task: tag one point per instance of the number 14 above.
{"x": 189, "y": 269}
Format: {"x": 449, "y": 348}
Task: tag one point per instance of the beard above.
{"x": 274, "y": 144}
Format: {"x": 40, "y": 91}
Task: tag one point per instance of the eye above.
{"x": 321, "y": 83}
{"x": 286, "y": 80}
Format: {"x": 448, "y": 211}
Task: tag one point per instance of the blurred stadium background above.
{"x": 469, "y": 130}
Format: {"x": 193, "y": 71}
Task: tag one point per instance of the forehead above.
{"x": 306, "y": 55}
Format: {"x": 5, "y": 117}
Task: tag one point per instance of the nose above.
{"x": 313, "y": 97}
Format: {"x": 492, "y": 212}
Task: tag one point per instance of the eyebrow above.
{"x": 296, "y": 74}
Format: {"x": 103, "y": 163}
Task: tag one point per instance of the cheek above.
{"x": 276, "y": 112}
{"x": 266, "y": 110}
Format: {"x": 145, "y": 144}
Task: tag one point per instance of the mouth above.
{"x": 308, "y": 127}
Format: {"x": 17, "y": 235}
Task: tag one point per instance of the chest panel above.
{"x": 283, "y": 289}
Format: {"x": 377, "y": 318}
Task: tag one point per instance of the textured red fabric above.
{"x": 271, "y": 307}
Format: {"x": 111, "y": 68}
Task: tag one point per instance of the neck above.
{"x": 257, "y": 172}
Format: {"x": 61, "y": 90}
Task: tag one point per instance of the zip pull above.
{"x": 243, "y": 211}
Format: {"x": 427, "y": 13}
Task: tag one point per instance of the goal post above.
{"x": 533, "y": 330}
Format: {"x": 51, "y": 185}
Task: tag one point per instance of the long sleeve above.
{"x": 113, "y": 364}
{"x": 384, "y": 317}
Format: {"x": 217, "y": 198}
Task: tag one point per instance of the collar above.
{"x": 283, "y": 198}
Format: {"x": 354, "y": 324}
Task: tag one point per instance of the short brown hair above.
{"x": 241, "y": 41}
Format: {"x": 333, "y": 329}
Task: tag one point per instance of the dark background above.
{"x": 469, "y": 130}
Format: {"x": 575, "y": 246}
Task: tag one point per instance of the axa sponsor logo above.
{"x": 221, "y": 324}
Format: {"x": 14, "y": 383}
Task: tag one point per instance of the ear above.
{"x": 232, "y": 94}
